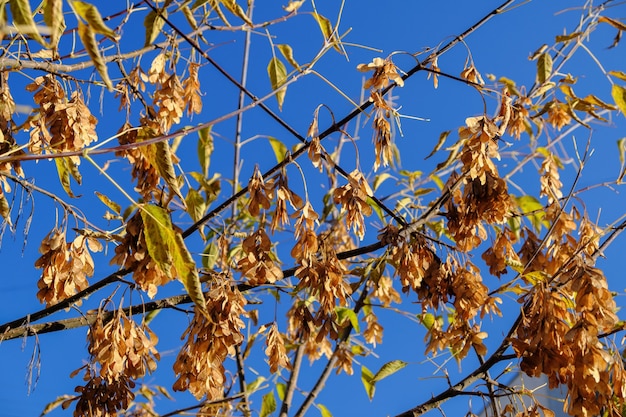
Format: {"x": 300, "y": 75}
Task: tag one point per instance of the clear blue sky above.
{"x": 501, "y": 47}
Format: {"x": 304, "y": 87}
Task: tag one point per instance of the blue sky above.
{"x": 501, "y": 47}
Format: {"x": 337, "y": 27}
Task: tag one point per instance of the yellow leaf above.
{"x": 544, "y": 67}
{"x": 367, "y": 379}
{"x": 288, "y": 54}
{"x": 619, "y": 95}
{"x": 109, "y": 203}
{"x": 618, "y": 74}
{"x": 278, "y": 76}
{"x": 67, "y": 169}
{"x": 88, "y": 38}
{"x": 237, "y": 10}
{"x": 167, "y": 247}
{"x": 163, "y": 162}
{"x": 23, "y": 19}
{"x": 279, "y": 148}
{"x": 153, "y": 24}
{"x": 54, "y": 19}
{"x": 621, "y": 148}
{"x": 293, "y": 6}
{"x": 442, "y": 138}
{"x": 92, "y": 16}
{"x": 327, "y": 31}
{"x": 5, "y": 208}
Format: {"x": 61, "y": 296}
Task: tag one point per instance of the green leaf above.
{"x": 67, "y": 169}
{"x": 533, "y": 209}
{"x": 159, "y": 235}
{"x": 427, "y": 319}
{"x": 288, "y": 54}
{"x": 279, "y": 148}
{"x": 153, "y": 24}
{"x": 344, "y": 313}
{"x": 367, "y": 377}
{"x": 388, "y": 369}
{"x": 621, "y": 148}
{"x": 117, "y": 209}
{"x": 619, "y": 96}
{"x": 268, "y": 406}
{"x": 196, "y": 205}
{"x": 209, "y": 256}
{"x": 254, "y": 385}
{"x": 205, "y": 149}
{"x": 90, "y": 13}
{"x": 379, "y": 179}
{"x": 163, "y": 161}
{"x": 23, "y": 19}
{"x": 324, "y": 411}
{"x": 281, "y": 389}
{"x": 544, "y": 67}
{"x": 278, "y": 76}
{"x": 167, "y": 248}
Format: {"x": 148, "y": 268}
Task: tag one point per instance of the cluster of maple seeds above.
{"x": 65, "y": 265}
{"x": 210, "y": 339}
{"x": 61, "y": 125}
{"x": 124, "y": 352}
{"x": 384, "y": 72}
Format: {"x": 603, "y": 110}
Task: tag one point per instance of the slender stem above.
{"x": 293, "y": 381}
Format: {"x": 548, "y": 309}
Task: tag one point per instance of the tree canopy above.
{"x": 251, "y": 209}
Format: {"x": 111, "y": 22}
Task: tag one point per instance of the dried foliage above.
{"x": 309, "y": 257}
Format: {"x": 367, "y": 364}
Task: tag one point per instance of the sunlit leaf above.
{"x": 279, "y": 148}
{"x": 163, "y": 162}
{"x": 117, "y": 209}
{"x": 23, "y": 19}
{"x": 167, "y": 247}
{"x": 619, "y": 95}
{"x": 367, "y": 378}
{"x": 618, "y": 74}
{"x": 324, "y": 411}
{"x": 153, "y": 24}
{"x": 281, "y": 389}
{"x": 344, "y": 313}
{"x": 54, "y": 19}
{"x": 287, "y": 52}
{"x": 196, "y": 205}
{"x": 67, "y": 169}
{"x": 209, "y": 256}
{"x": 544, "y": 67}
{"x": 510, "y": 86}
{"x": 388, "y": 369}
{"x": 534, "y": 210}
{"x": 327, "y": 31}
{"x": 293, "y": 5}
{"x": 88, "y": 38}
{"x": 427, "y": 319}
{"x": 440, "y": 142}
{"x": 92, "y": 16}
{"x": 379, "y": 179}
{"x": 255, "y": 385}
{"x": 278, "y": 76}
{"x": 268, "y": 405}
{"x": 5, "y": 208}
{"x": 237, "y": 10}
